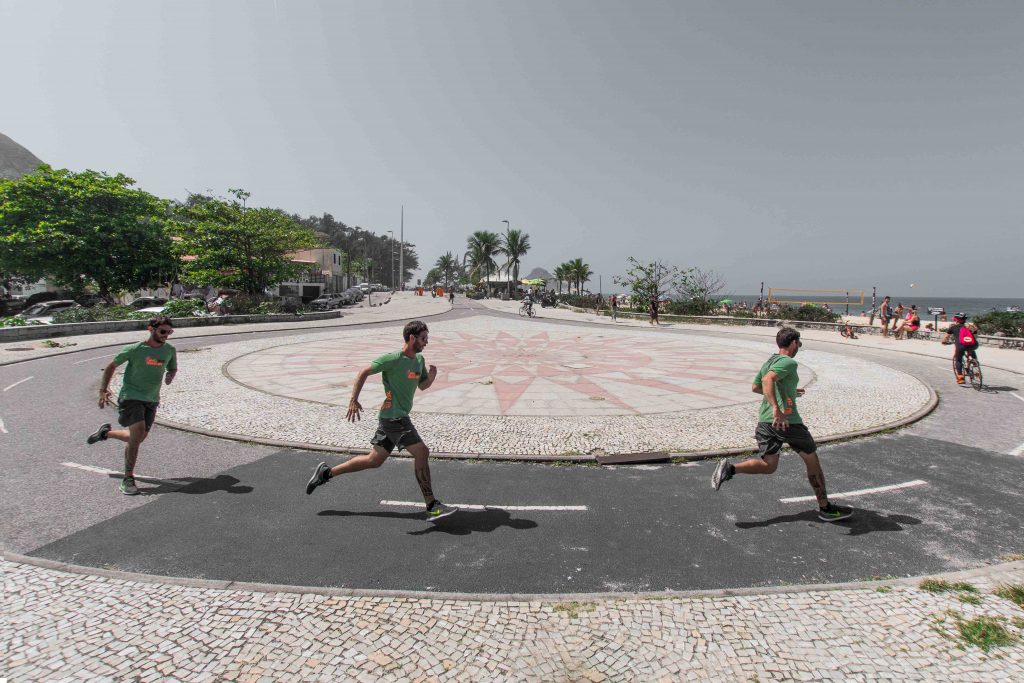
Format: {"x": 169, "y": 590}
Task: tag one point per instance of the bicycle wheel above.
{"x": 972, "y": 369}
{"x": 533, "y": 313}
{"x": 844, "y": 332}
{"x": 522, "y": 311}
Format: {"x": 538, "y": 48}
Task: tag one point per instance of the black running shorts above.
{"x": 770, "y": 440}
{"x": 131, "y": 411}
{"x": 394, "y": 432}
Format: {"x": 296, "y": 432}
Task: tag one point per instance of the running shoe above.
{"x": 319, "y": 478}
{"x": 722, "y": 473}
{"x": 959, "y": 379}
{"x": 99, "y": 435}
{"x": 128, "y": 487}
{"x": 834, "y": 513}
{"x": 437, "y": 510}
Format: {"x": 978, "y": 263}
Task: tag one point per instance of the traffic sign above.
{"x": 936, "y": 310}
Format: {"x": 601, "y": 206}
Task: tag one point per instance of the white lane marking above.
{"x": 96, "y": 358}
{"x": 1019, "y": 450}
{"x": 3, "y": 430}
{"x": 19, "y": 382}
{"x": 473, "y": 506}
{"x": 1018, "y": 396}
{"x": 100, "y": 470}
{"x": 859, "y": 492}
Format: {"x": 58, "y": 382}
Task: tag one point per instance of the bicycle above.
{"x": 527, "y": 311}
{"x": 846, "y": 331}
{"x": 972, "y": 370}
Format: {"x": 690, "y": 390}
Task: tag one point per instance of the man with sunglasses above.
{"x": 149, "y": 362}
{"x": 780, "y": 423}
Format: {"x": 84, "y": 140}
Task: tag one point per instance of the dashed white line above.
{"x": 1019, "y": 450}
{"x": 859, "y": 492}
{"x": 3, "y": 430}
{"x": 100, "y": 470}
{"x": 79, "y": 362}
{"x": 1018, "y": 396}
{"x": 475, "y": 506}
{"x": 19, "y": 382}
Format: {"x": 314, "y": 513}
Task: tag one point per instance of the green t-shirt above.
{"x": 145, "y": 370}
{"x": 786, "y": 381}
{"x": 401, "y": 376}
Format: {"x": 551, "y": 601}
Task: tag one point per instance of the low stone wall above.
{"x": 8, "y": 334}
{"x": 984, "y": 340}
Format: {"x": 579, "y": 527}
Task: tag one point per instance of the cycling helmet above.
{"x": 959, "y": 317}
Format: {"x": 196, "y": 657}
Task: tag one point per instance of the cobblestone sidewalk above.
{"x": 58, "y": 626}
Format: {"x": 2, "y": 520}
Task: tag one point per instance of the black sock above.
{"x": 731, "y": 470}
{"x": 328, "y": 475}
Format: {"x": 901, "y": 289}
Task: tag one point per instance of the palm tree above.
{"x": 580, "y": 272}
{"x": 481, "y": 247}
{"x": 447, "y": 264}
{"x": 514, "y": 245}
{"x": 560, "y": 276}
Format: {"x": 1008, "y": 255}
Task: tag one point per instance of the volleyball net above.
{"x": 831, "y": 297}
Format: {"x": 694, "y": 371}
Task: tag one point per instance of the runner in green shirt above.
{"x": 149, "y": 362}
{"x": 778, "y": 423}
{"x": 402, "y": 372}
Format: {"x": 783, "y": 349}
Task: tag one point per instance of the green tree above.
{"x": 562, "y": 275}
{"x": 481, "y": 247}
{"x": 648, "y": 280}
{"x": 81, "y": 229}
{"x": 231, "y": 246}
{"x": 514, "y": 244}
{"x": 448, "y": 266}
{"x": 579, "y": 272}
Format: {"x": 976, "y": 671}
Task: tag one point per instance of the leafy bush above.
{"x": 184, "y": 308}
{"x": 1009, "y": 324}
{"x": 272, "y": 307}
{"x": 99, "y": 314}
{"x": 580, "y": 300}
{"x": 244, "y": 304}
{"x": 15, "y": 321}
{"x": 692, "y": 307}
{"x": 807, "y": 313}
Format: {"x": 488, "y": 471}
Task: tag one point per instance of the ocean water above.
{"x": 970, "y": 306}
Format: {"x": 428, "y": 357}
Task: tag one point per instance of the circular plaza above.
{"x": 525, "y": 389}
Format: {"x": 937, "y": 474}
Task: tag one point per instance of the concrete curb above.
{"x": 603, "y": 459}
{"x": 224, "y": 584}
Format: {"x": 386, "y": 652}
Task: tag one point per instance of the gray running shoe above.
{"x": 319, "y": 477}
{"x": 437, "y": 510}
{"x": 834, "y": 513}
{"x": 721, "y": 474}
{"x": 99, "y": 435}
{"x": 128, "y": 487}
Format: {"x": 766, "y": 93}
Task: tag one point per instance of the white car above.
{"x": 43, "y": 311}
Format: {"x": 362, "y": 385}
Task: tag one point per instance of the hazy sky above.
{"x": 826, "y": 145}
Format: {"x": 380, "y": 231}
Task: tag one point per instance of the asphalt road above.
{"x": 226, "y": 510}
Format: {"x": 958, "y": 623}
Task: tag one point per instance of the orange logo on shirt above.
{"x": 154, "y": 361}
{"x": 413, "y": 374}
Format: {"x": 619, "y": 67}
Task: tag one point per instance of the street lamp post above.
{"x": 392, "y": 274}
{"x": 508, "y": 277}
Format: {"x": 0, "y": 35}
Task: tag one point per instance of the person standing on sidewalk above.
{"x": 885, "y": 315}
{"x": 654, "y": 310}
{"x": 403, "y": 372}
{"x": 615, "y": 308}
{"x": 149, "y": 362}
{"x": 779, "y": 423}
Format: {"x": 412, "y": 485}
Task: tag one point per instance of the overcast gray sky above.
{"x": 825, "y": 145}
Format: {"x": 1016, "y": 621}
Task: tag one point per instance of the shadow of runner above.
{"x": 461, "y": 523}
{"x": 191, "y": 485}
{"x": 864, "y": 521}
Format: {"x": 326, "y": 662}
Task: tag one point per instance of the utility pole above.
{"x": 392, "y": 259}
{"x": 401, "y": 252}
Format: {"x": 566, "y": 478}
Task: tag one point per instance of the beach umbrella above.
{"x": 725, "y": 301}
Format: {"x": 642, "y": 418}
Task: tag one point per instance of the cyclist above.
{"x": 962, "y": 335}
{"x": 528, "y": 304}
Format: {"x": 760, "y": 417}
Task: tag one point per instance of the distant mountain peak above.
{"x": 15, "y": 160}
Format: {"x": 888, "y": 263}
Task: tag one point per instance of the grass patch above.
{"x": 1012, "y": 557}
{"x": 1014, "y": 592}
{"x": 573, "y": 609}
{"x": 943, "y": 586}
{"x": 985, "y": 632}
{"x": 969, "y": 598}
{"x": 884, "y": 589}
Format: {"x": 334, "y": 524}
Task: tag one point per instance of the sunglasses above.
{"x": 164, "y": 332}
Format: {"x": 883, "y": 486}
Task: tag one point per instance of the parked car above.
{"x": 43, "y": 312}
{"x": 147, "y": 302}
{"x": 327, "y": 302}
{"x": 89, "y": 300}
{"x": 355, "y": 293}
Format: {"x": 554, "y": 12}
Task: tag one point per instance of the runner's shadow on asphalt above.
{"x": 191, "y": 485}
{"x": 989, "y": 389}
{"x": 462, "y": 523}
{"x": 863, "y": 521}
